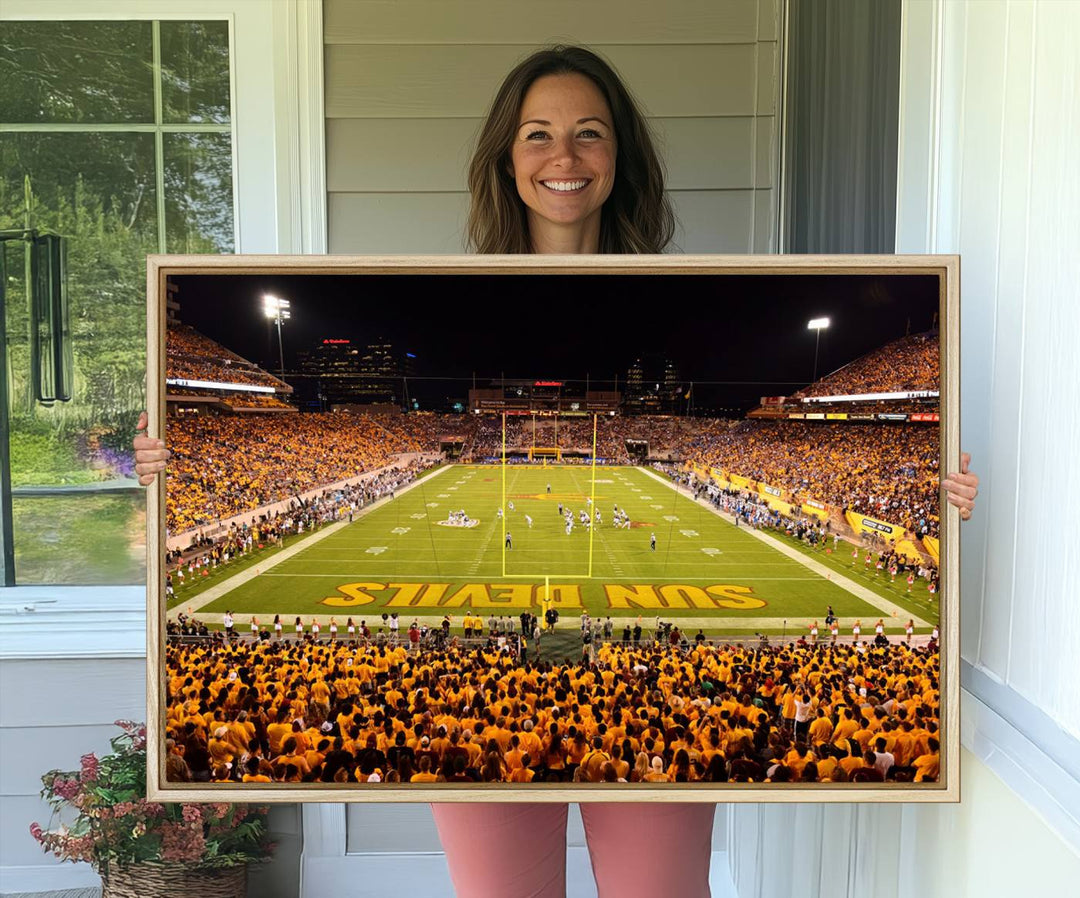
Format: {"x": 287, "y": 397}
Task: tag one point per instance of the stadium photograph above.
{"x": 499, "y": 529}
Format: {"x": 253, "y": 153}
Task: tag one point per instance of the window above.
{"x": 116, "y": 135}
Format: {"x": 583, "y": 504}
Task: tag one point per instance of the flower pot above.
{"x": 172, "y": 880}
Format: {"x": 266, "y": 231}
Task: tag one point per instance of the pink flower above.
{"x": 37, "y": 832}
{"x": 89, "y": 767}
{"x": 65, "y": 788}
{"x": 192, "y": 813}
{"x": 181, "y": 842}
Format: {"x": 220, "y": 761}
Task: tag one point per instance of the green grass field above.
{"x": 704, "y": 572}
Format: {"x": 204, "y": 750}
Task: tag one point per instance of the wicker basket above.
{"x": 167, "y": 880}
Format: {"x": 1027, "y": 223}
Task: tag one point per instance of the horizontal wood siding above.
{"x": 524, "y": 22}
{"x": 409, "y": 81}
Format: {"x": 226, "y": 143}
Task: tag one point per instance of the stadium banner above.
{"x": 719, "y": 479}
{"x": 891, "y": 416}
{"x": 785, "y": 508}
{"x": 861, "y": 523}
{"x": 397, "y": 538}
{"x": 907, "y": 548}
{"x": 933, "y": 546}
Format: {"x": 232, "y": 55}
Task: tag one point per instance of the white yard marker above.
{"x": 657, "y": 507}
{"x": 376, "y": 550}
{"x": 645, "y": 498}
{"x": 671, "y": 518}
{"x": 689, "y": 533}
{"x": 443, "y": 495}
{"x": 400, "y": 531}
{"x": 433, "y": 505}
{"x": 419, "y": 516}
{"x": 711, "y": 552}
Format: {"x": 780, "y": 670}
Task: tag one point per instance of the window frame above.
{"x": 275, "y": 63}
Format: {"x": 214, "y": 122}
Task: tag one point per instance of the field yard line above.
{"x": 861, "y": 592}
{"x": 248, "y": 574}
{"x": 495, "y": 528}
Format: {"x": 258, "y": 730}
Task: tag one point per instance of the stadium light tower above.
{"x": 818, "y": 325}
{"x": 278, "y": 309}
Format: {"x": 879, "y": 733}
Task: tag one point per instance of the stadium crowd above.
{"x": 909, "y": 364}
{"x": 224, "y": 465}
{"x": 280, "y": 711}
{"x": 191, "y": 356}
{"x": 206, "y": 551}
{"x": 886, "y": 471}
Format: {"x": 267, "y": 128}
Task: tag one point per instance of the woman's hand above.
{"x": 962, "y": 488}
{"x": 150, "y": 454}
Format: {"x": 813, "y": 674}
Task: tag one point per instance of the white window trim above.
{"x": 280, "y": 207}
{"x": 1013, "y": 736}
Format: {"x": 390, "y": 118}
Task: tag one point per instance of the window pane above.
{"x": 198, "y": 193}
{"x": 97, "y": 190}
{"x": 76, "y": 72}
{"x": 81, "y": 540}
{"x": 195, "y": 71}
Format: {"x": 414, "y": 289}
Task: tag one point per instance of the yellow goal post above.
{"x": 545, "y": 453}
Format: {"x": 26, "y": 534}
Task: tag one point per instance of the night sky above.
{"x": 737, "y": 337}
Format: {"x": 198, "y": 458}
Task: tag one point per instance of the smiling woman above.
{"x": 563, "y": 117}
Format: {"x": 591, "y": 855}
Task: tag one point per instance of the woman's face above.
{"x": 563, "y": 154}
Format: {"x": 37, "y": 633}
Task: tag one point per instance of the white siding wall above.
{"x": 408, "y": 83}
{"x": 989, "y": 150}
{"x": 1010, "y": 159}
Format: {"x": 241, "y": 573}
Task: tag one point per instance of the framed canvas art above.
{"x": 553, "y": 528}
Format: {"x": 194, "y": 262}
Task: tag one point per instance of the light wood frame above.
{"x": 945, "y": 267}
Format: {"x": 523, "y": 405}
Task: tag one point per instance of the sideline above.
{"x": 248, "y": 574}
{"x": 883, "y": 605}
{"x": 183, "y": 540}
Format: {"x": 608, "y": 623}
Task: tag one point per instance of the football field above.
{"x": 403, "y": 555}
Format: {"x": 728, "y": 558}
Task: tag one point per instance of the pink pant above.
{"x": 637, "y": 849}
